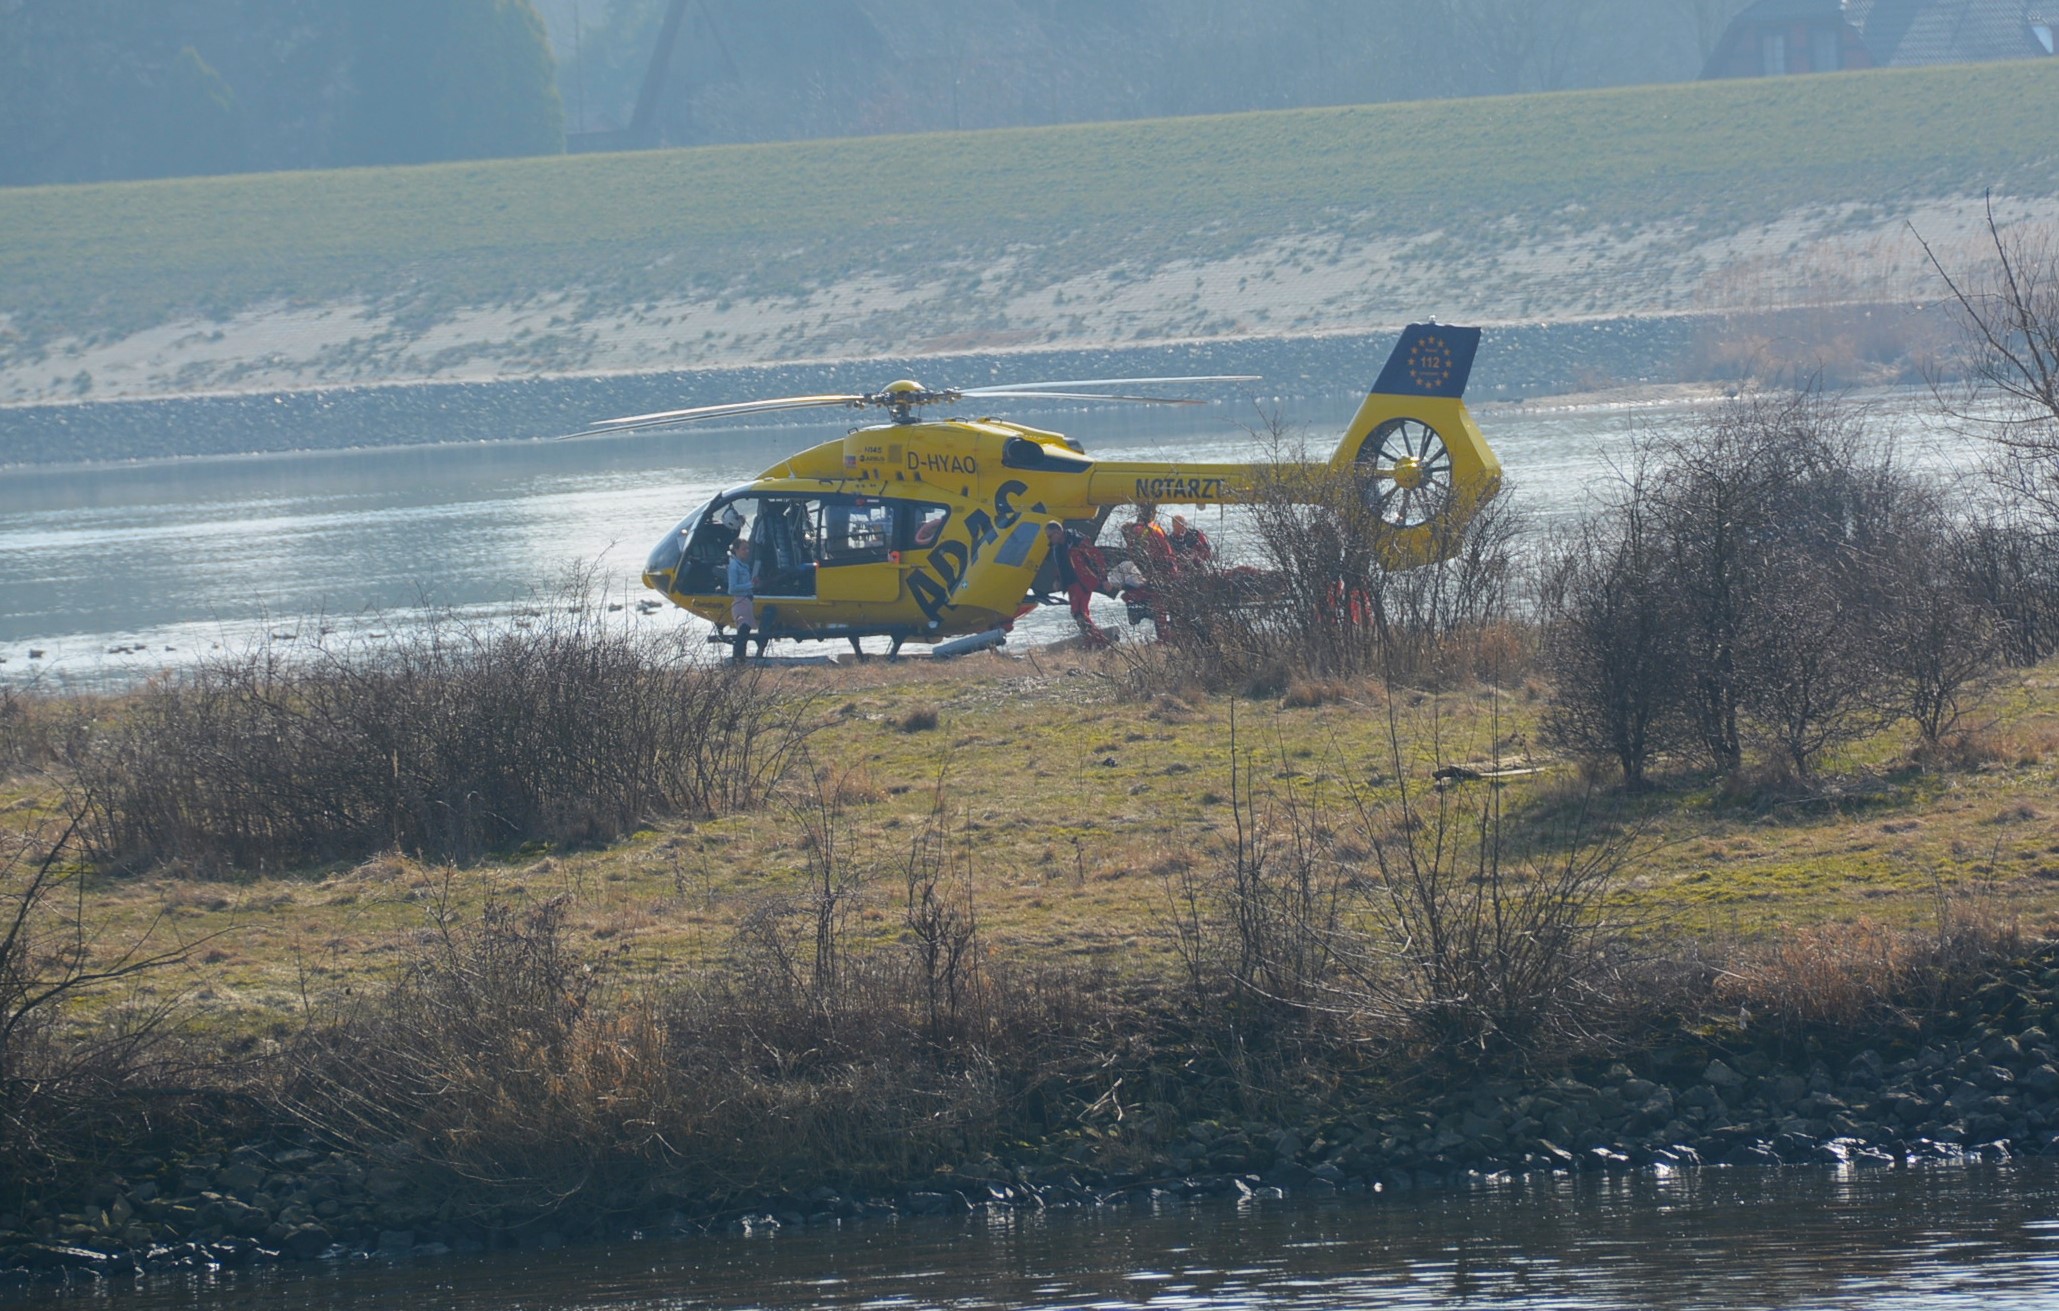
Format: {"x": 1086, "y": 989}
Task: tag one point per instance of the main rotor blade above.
{"x": 663, "y": 418}
{"x": 1083, "y": 396}
{"x": 1017, "y": 388}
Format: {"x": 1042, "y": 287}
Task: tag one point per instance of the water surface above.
{"x": 114, "y": 571}
{"x": 1944, "y": 1237}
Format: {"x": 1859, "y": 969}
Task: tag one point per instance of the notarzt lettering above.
{"x": 1179, "y": 489}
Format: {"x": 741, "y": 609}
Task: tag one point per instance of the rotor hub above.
{"x": 1408, "y": 473}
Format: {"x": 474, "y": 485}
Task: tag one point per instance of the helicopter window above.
{"x": 857, "y": 529}
{"x": 1017, "y": 548}
{"x": 925, "y": 524}
{"x": 785, "y": 540}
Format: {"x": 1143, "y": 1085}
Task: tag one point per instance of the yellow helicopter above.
{"x": 934, "y": 530}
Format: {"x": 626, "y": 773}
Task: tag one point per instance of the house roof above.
{"x": 1907, "y": 33}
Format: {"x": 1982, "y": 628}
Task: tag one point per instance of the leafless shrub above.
{"x": 1768, "y": 513}
{"x": 1257, "y": 928}
{"x": 2008, "y": 318}
{"x": 1402, "y": 917}
{"x": 2009, "y": 569}
{"x": 456, "y": 740}
{"x": 1329, "y": 597}
{"x": 68, "y": 1081}
{"x": 1943, "y": 638}
{"x": 1606, "y": 643}
{"x": 1773, "y": 580}
{"x": 1479, "y": 937}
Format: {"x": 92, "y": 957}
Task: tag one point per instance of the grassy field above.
{"x": 610, "y": 231}
{"x": 1074, "y": 807}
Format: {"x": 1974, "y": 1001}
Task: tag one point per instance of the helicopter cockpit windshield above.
{"x": 664, "y": 557}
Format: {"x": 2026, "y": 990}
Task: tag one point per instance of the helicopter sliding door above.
{"x": 784, "y": 539}
{"x": 858, "y": 559}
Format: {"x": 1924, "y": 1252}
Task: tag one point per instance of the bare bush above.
{"x": 1439, "y": 919}
{"x": 455, "y": 740}
{"x": 2008, "y": 316}
{"x": 1767, "y": 517}
{"x": 1257, "y": 929}
{"x": 67, "y": 1080}
{"x": 1774, "y": 580}
{"x": 2009, "y": 569}
{"x": 1942, "y": 634}
{"x": 1329, "y": 595}
{"x": 1606, "y": 643}
{"x": 1478, "y": 938}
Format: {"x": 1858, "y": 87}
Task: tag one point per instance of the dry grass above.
{"x": 1075, "y": 801}
{"x": 996, "y": 896}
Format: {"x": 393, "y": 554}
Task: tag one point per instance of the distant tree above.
{"x": 100, "y": 89}
{"x": 1519, "y": 45}
{"x": 182, "y": 119}
{"x": 458, "y": 79}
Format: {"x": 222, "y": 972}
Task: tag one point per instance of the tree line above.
{"x": 760, "y": 70}
{"x": 93, "y": 90}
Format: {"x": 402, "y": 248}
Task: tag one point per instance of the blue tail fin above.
{"x": 1430, "y": 360}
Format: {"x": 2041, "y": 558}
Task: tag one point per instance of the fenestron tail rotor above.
{"x": 902, "y": 398}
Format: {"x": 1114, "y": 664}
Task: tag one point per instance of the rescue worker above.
{"x": 1151, "y": 551}
{"x": 1078, "y": 577}
{"x": 1189, "y": 545}
{"x": 742, "y": 589}
{"x": 1147, "y": 541}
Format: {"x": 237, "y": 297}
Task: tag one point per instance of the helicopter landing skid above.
{"x": 826, "y": 634}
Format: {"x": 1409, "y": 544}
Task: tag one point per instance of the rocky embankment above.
{"x": 1982, "y": 1083}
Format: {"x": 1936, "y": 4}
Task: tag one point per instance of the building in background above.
{"x": 1776, "y": 37}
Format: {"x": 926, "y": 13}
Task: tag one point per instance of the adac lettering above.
{"x": 1179, "y": 489}
{"x": 930, "y": 462}
{"x": 952, "y": 559}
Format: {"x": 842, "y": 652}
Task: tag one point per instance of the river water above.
{"x": 110, "y": 572}
{"x": 1935, "y": 1237}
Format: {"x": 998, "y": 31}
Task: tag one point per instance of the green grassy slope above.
{"x": 786, "y": 217}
